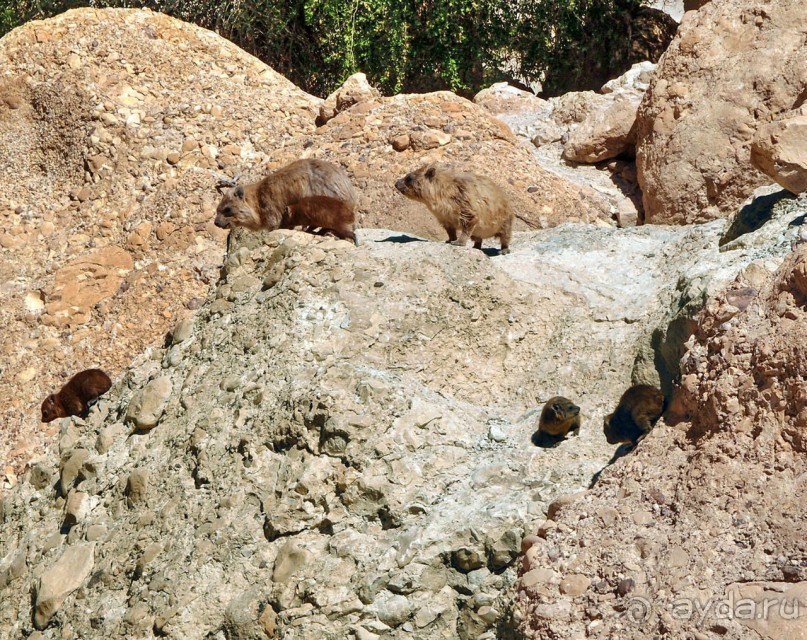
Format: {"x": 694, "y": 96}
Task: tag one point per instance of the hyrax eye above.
{"x": 227, "y": 212}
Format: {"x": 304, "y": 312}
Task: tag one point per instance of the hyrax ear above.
{"x": 239, "y": 192}
{"x": 430, "y": 173}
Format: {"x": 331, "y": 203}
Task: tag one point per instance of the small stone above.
{"x": 182, "y": 331}
{"x": 400, "y": 142}
{"x": 642, "y": 518}
{"x": 76, "y": 507}
{"x": 488, "y": 614}
{"x": 95, "y": 532}
{"x": 537, "y": 576}
{"x": 392, "y": 609}
{"x": 496, "y": 434}
{"x": 557, "y": 505}
{"x": 467, "y": 559}
{"x": 172, "y": 158}
{"x": 290, "y": 559}
{"x": 147, "y": 406}
{"x": 137, "y": 487}
{"x": 70, "y": 469}
{"x": 574, "y": 585}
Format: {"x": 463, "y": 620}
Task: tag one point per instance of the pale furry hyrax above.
{"x": 74, "y": 398}
{"x": 638, "y": 410}
{"x": 309, "y": 189}
{"x": 466, "y": 204}
{"x": 559, "y": 417}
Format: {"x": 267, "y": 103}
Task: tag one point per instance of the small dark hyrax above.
{"x": 73, "y": 399}
{"x": 329, "y": 214}
{"x": 466, "y": 204}
{"x": 273, "y": 203}
{"x": 559, "y": 418}
{"x": 638, "y": 410}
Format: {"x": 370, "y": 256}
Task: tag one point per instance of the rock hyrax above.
{"x": 467, "y": 205}
{"x": 74, "y": 398}
{"x": 323, "y": 212}
{"x": 559, "y": 418}
{"x": 273, "y": 202}
{"x": 638, "y": 410}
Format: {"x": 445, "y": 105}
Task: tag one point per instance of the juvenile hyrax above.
{"x": 266, "y": 204}
{"x": 324, "y": 212}
{"x": 638, "y": 410}
{"x": 73, "y": 398}
{"x": 559, "y": 418}
{"x": 467, "y": 205}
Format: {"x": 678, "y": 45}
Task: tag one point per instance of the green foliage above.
{"x": 409, "y": 45}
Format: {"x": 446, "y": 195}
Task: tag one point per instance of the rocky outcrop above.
{"x": 734, "y": 65}
{"x": 354, "y": 90}
{"x": 582, "y": 127}
{"x": 300, "y": 461}
{"x": 115, "y": 126}
{"x": 698, "y": 532}
{"x": 779, "y": 150}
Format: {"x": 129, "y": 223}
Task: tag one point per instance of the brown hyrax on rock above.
{"x": 323, "y": 212}
{"x": 74, "y": 398}
{"x": 466, "y": 204}
{"x": 559, "y": 418}
{"x": 638, "y": 410}
{"x": 273, "y": 203}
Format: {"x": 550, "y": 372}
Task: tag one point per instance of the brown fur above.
{"x": 275, "y": 201}
{"x": 329, "y": 214}
{"x": 465, "y": 204}
{"x": 73, "y": 398}
{"x": 638, "y": 410}
{"x": 559, "y": 417}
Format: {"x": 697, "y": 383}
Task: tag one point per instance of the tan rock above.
{"x": 779, "y": 150}
{"x": 356, "y": 89}
{"x": 147, "y": 406}
{"x": 732, "y": 65}
{"x": 574, "y": 585}
{"x": 606, "y": 133}
{"x": 62, "y": 579}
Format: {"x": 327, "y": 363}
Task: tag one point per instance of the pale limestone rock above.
{"x": 60, "y": 580}
{"x": 147, "y": 406}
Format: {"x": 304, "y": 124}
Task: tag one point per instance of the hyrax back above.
{"x": 264, "y": 204}
{"x": 329, "y": 214}
{"x": 465, "y": 204}
{"x": 638, "y": 410}
{"x": 73, "y": 398}
{"x": 559, "y": 417}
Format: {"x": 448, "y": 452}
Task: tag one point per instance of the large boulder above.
{"x": 779, "y": 150}
{"x": 734, "y": 64}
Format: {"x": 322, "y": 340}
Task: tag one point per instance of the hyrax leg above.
{"x": 452, "y": 233}
{"x": 505, "y": 235}
{"x": 477, "y": 242}
{"x": 345, "y": 233}
{"x": 468, "y": 222}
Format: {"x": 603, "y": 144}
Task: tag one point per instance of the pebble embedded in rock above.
{"x": 147, "y": 406}
{"x": 62, "y": 579}
{"x": 574, "y": 585}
